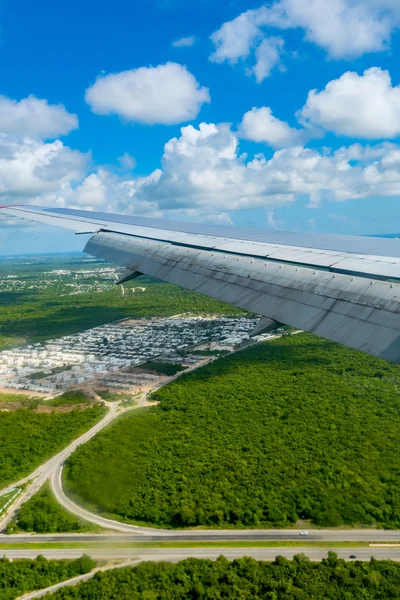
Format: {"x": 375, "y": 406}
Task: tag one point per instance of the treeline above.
{"x": 298, "y": 428}
{"x": 244, "y": 578}
{"x": 23, "y": 575}
{"x": 43, "y": 514}
{"x": 28, "y": 438}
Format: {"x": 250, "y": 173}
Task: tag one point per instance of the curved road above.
{"x": 43, "y": 472}
{"x": 52, "y": 469}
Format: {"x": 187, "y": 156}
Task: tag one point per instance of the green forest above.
{"x": 29, "y": 437}
{"x": 296, "y": 428}
{"x": 243, "y": 579}
{"x": 43, "y": 514}
{"x": 23, "y": 575}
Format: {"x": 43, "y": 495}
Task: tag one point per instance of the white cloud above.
{"x": 260, "y": 125}
{"x": 268, "y": 56}
{"x": 91, "y": 193}
{"x": 365, "y": 106}
{"x": 184, "y": 42}
{"x": 35, "y": 117}
{"x": 127, "y": 161}
{"x": 235, "y": 39}
{"x": 204, "y": 176}
{"x": 33, "y": 171}
{"x": 166, "y": 94}
{"x": 343, "y": 28}
{"x": 204, "y": 168}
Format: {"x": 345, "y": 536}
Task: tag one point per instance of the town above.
{"x": 109, "y": 356}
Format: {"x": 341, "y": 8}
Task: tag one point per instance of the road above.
{"x": 176, "y": 554}
{"x": 45, "y": 471}
{"x": 212, "y": 535}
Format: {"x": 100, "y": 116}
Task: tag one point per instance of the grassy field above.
{"x": 298, "y": 428}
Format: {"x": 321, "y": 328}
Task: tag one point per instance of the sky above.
{"x": 284, "y": 115}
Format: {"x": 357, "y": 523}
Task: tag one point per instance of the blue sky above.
{"x": 101, "y": 105}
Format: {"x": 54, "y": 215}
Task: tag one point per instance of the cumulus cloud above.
{"x": 343, "y": 28}
{"x": 204, "y": 176}
{"x": 204, "y": 169}
{"x": 260, "y": 125}
{"x": 127, "y": 161}
{"x": 166, "y": 94}
{"x": 236, "y": 40}
{"x": 31, "y": 170}
{"x": 184, "y": 42}
{"x": 35, "y": 118}
{"x": 364, "y": 106}
{"x": 268, "y": 56}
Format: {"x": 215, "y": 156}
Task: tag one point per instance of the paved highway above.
{"x": 320, "y": 535}
{"x": 176, "y": 554}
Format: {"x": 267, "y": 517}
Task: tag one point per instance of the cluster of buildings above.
{"x": 91, "y": 278}
{"x": 109, "y": 356}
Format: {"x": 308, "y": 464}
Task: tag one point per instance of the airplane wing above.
{"x": 343, "y": 288}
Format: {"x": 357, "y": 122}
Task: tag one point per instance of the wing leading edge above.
{"x": 343, "y": 288}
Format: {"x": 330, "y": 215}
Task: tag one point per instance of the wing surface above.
{"x": 344, "y": 288}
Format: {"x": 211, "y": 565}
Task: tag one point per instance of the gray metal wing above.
{"x": 343, "y": 288}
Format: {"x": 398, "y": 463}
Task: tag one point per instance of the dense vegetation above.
{"x": 29, "y": 437}
{"x": 43, "y": 514}
{"x": 243, "y": 579}
{"x": 23, "y": 575}
{"x": 164, "y": 368}
{"x": 294, "y": 428}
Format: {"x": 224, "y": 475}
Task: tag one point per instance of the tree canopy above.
{"x": 28, "y": 438}
{"x": 23, "y": 575}
{"x": 298, "y": 428}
